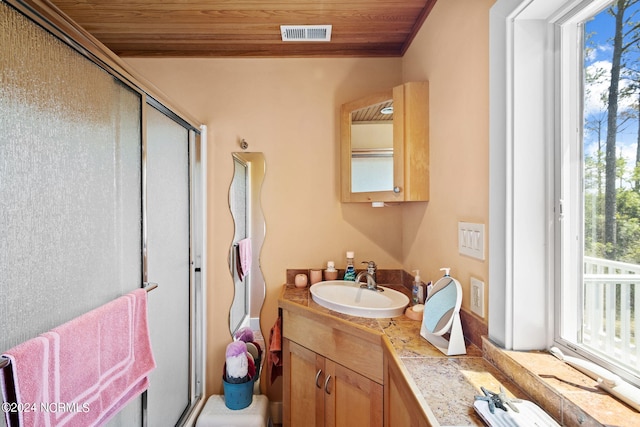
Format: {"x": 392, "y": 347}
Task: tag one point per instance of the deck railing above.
{"x": 611, "y": 293}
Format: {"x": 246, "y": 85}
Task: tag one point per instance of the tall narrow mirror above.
{"x": 244, "y": 254}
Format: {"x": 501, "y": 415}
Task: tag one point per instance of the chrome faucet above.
{"x": 371, "y": 282}
{"x": 371, "y": 269}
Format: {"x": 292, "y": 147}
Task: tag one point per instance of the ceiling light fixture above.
{"x": 309, "y": 33}
{"x": 387, "y": 110}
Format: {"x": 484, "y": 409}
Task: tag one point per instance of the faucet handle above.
{"x": 371, "y": 268}
{"x": 370, "y": 264}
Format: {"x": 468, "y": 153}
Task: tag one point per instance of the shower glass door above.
{"x": 101, "y": 189}
{"x": 70, "y": 186}
{"x": 169, "y": 262}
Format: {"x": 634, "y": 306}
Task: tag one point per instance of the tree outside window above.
{"x": 611, "y": 180}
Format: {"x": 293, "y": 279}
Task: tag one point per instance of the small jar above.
{"x": 331, "y": 273}
{"x": 301, "y": 281}
{"x": 315, "y": 275}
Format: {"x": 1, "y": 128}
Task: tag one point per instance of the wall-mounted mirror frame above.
{"x": 249, "y": 233}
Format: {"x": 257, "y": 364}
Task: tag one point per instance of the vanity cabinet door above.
{"x": 351, "y": 400}
{"x": 303, "y": 395}
{"x": 319, "y": 392}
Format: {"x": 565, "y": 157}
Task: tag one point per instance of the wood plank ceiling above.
{"x": 373, "y": 113}
{"x": 248, "y": 28}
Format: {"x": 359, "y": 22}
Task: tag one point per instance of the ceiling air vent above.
{"x": 308, "y": 33}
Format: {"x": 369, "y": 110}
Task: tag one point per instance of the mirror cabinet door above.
{"x": 370, "y": 165}
{"x": 384, "y": 146}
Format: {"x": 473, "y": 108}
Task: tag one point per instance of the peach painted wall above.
{"x": 451, "y": 51}
{"x": 289, "y": 110}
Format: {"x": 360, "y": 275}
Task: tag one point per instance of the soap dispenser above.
{"x": 417, "y": 292}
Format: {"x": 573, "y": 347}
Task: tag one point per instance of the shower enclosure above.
{"x": 101, "y": 190}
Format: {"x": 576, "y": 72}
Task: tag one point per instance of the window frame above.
{"x": 535, "y": 202}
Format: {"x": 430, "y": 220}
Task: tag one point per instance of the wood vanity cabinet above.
{"x": 339, "y": 374}
{"x": 363, "y": 153}
{"x": 330, "y": 375}
{"x": 324, "y": 393}
{"x": 401, "y": 406}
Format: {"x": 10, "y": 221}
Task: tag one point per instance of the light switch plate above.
{"x": 471, "y": 239}
{"x": 477, "y": 297}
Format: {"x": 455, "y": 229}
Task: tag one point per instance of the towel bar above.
{"x": 4, "y": 362}
{"x": 149, "y": 286}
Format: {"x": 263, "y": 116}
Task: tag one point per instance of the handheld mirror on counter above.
{"x": 442, "y": 315}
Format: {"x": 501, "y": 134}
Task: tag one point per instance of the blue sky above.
{"x": 601, "y": 29}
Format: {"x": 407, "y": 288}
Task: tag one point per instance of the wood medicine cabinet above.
{"x": 385, "y": 146}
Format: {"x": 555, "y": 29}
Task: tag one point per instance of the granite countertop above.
{"x": 448, "y": 383}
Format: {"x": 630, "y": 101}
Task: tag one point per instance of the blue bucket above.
{"x": 238, "y": 396}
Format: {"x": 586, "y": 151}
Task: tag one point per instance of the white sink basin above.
{"x": 349, "y": 298}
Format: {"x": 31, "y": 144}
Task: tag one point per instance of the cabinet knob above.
{"x": 326, "y": 384}
{"x": 318, "y": 377}
{"x": 397, "y": 189}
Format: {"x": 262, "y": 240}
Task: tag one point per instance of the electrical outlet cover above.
{"x": 477, "y": 297}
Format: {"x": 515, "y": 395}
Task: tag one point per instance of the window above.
{"x": 554, "y": 276}
{"x": 603, "y": 237}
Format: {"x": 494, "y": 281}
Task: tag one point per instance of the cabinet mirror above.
{"x": 384, "y": 146}
{"x": 368, "y": 150}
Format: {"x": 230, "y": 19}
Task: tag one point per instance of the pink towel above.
{"x": 244, "y": 252}
{"x": 84, "y": 371}
{"x": 275, "y": 349}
